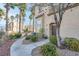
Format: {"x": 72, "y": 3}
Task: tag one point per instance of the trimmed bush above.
{"x": 12, "y": 36}
{"x": 53, "y": 39}
{"x": 45, "y": 37}
{"x": 18, "y": 35}
{"x": 41, "y": 31}
{"x": 1, "y": 34}
{"x": 72, "y": 44}
{"x": 33, "y": 38}
{"x": 49, "y": 50}
{"x": 15, "y": 36}
{"x": 26, "y": 30}
{"x": 28, "y": 37}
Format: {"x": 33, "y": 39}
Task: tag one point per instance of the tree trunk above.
{"x": 7, "y": 9}
{"x": 43, "y": 27}
{"x": 20, "y": 23}
{"x": 58, "y": 36}
{"x": 17, "y": 24}
{"x": 29, "y": 25}
{"x": 33, "y": 24}
{"x": 12, "y": 24}
{"x": 6, "y": 20}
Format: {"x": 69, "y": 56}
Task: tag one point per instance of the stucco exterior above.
{"x": 70, "y": 23}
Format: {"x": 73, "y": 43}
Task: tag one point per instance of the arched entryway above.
{"x": 52, "y": 29}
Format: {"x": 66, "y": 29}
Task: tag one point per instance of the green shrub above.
{"x": 1, "y": 42}
{"x": 1, "y": 34}
{"x": 72, "y": 44}
{"x": 15, "y": 36}
{"x": 33, "y": 38}
{"x": 45, "y": 37}
{"x": 49, "y": 50}
{"x": 53, "y": 39}
{"x": 12, "y": 36}
{"x": 28, "y": 37}
{"x": 41, "y": 31}
{"x": 18, "y": 35}
{"x": 26, "y": 30}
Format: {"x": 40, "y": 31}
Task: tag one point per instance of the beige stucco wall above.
{"x": 70, "y": 23}
{"x": 37, "y": 28}
{"x": 48, "y": 20}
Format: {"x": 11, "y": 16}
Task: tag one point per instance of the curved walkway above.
{"x": 17, "y": 49}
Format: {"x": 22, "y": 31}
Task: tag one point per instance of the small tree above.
{"x": 7, "y": 7}
{"x": 58, "y": 16}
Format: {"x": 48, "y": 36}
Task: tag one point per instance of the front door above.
{"x": 52, "y": 29}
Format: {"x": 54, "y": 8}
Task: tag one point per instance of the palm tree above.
{"x": 43, "y": 26}
{"x": 32, "y": 15}
{"x": 12, "y": 18}
{"x": 22, "y": 8}
{"x": 1, "y": 14}
{"x": 17, "y": 18}
{"x": 7, "y": 7}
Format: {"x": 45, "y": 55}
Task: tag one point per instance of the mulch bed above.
{"x": 61, "y": 52}
{"x": 37, "y": 52}
{"x": 5, "y": 48}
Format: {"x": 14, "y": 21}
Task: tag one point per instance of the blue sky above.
{"x": 14, "y": 12}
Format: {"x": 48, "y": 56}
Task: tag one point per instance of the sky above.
{"x": 14, "y": 12}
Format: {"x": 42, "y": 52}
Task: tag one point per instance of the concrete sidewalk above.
{"x": 18, "y": 49}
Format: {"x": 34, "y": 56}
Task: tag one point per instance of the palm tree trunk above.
{"x": 7, "y": 9}
{"x": 29, "y": 24}
{"x": 33, "y": 23}
{"x": 20, "y": 22}
{"x": 12, "y": 24}
{"x": 17, "y": 24}
{"x": 6, "y": 20}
